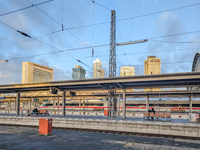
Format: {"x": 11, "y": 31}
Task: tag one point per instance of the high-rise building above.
{"x": 98, "y": 72}
{"x": 152, "y": 66}
{"x": 32, "y": 73}
{"x": 78, "y": 73}
{"x": 102, "y": 73}
{"x": 127, "y": 71}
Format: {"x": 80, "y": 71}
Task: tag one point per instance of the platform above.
{"x": 173, "y": 127}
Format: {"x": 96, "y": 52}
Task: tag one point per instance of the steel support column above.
{"x": 30, "y": 105}
{"x": 63, "y": 103}
{"x": 190, "y": 101}
{"x": 53, "y": 104}
{"x": 124, "y": 103}
{"x": 15, "y": 103}
{"x": 18, "y": 104}
{"x": 119, "y": 102}
{"x": 79, "y": 104}
{"x": 9, "y": 104}
{"x": 83, "y": 103}
{"x": 147, "y": 103}
{"x": 58, "y": 104}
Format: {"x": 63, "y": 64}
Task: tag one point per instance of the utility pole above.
{"x": 112, "y": 54}
{"x": 112, "y": 100}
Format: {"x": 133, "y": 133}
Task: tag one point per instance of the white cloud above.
{"x": 167, "y": 15}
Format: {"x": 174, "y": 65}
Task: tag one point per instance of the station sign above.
{"x": 44, "y": 100}
{"x": 67, "y": 100}
{"x": 35, "y": 100}
{"x": 2, "y": 97}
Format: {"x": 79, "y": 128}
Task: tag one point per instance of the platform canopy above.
{"x": 187, "y": 79}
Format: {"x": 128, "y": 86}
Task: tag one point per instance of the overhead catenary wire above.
{"x": 43, "y": 12}
{"x": 122, "y": 47}
{"x": 30, "y": 38}
{"x": 176, "y": 42}
{"x": 139, "y": 16}
{"x": 101, "y": 5}
{"x": 60, "y": 51}
{"x": 53, "y": 47}
{"x": 25, "y": 8}
{"x": 67, "y": 30}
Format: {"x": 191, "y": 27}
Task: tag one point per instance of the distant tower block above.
{"x": 152, "y": 66}
{"x": 78, "y": 73}
{"x": 127, "y": 71}
{"x": 98, "y": 72}
{"x": 32, "y": 73}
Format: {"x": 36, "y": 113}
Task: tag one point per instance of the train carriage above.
{"x": 131, "y": 105}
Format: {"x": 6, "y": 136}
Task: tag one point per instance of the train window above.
{"x": 174, "y": 105}
{"x": 49, "y": 105}
{"x": 195, "y": 105}
{"x": 101, "y": 104}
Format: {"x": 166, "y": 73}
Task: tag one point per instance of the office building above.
{"x": 127, "y": 71}
{"x": 152, "y": 66}
{"x": 78, "y": 73}
{"x": 98, "y": 72}
{"x": 32, "y": 73}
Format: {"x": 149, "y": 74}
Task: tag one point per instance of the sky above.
{"x": 87, "y": 24}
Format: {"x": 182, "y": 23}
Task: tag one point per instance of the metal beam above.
{"x": 105, "y": 88}
{"x": 120, "y": 85}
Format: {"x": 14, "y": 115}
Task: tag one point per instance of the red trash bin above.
{"x": 45, "y": 126}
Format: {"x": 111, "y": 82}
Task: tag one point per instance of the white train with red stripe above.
{"x": 131, "y": 105}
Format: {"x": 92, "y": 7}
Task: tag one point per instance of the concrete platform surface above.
{"x": 26, "y": 138}
{"x": 134, "y": 119}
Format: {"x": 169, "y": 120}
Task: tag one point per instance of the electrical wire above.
{"x": 67, "y": 30}
{"x": 158, "y": 12}
{"x": 101, "y": 5}
{"x": 30, "y": 38}
{"x": 139, "y": 16}
{"x": 177, "y": 34}
{"x": 175, "y": 41}
{"x": 43, "y": 12}
{"x": 25, "y": 8}
{"x": 53, "y": 47}
{"x": 123, "y": 46}
{"x": 60, "y": 51}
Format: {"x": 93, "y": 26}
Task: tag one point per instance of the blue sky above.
{"x": 77, "y": 13}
